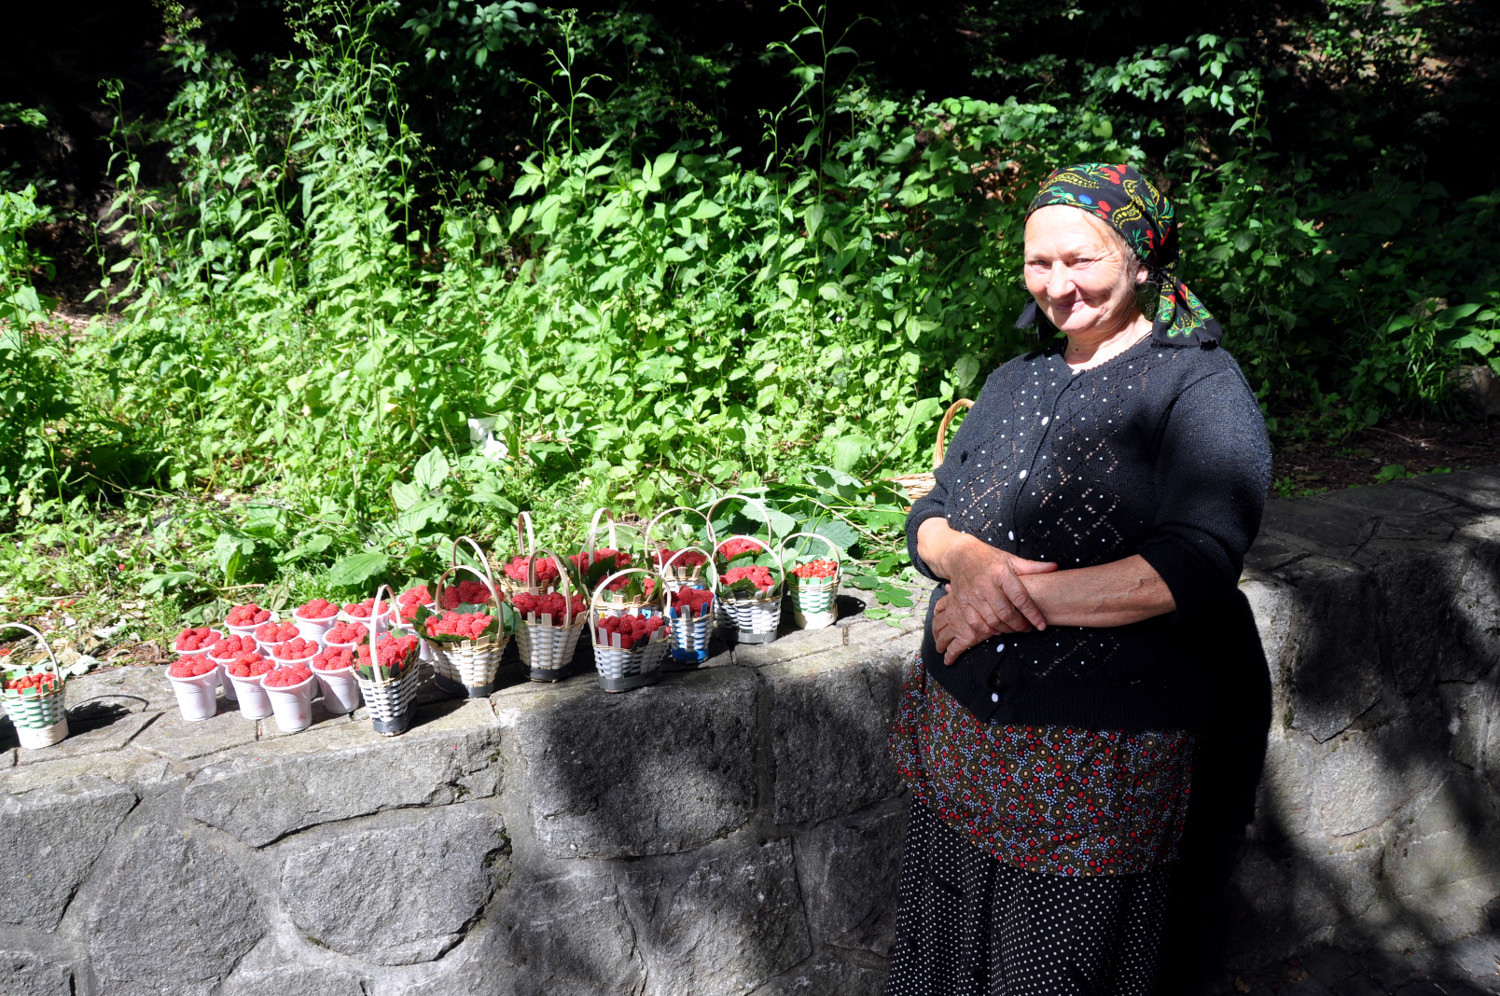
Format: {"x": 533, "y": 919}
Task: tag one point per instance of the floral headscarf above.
{"x": 1132, "y": 206}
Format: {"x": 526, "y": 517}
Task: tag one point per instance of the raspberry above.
{"x": 686, "y": 560}
{"x": 459, "y": 625}
{"x": 191, "y": 667}
{"x": 318, "y": 608}
{"x": 546, "y": 570}
{"x": 738, "y": 547}
{"x": 346, "y": 633}
{"x": 552, "y": 604}
{"x": 247, "y": 615}
{"x": 632, "y": 629}
{"x": 759, "y": 576}
{"x": 466, "y": 593}
{"x": 295, "y": 649}
{"x": 412, "y": 599}
{"x": 692, "y": 600}
{"x": 249, "y": 665}
{"x": 816, "y": 569}
{"x": 231, "y": 647}
{"x": 285, "y": 677}
{"x": 334, "y": 659}
{"x": 363, "y": 610}
{"x": 583, "y": 561}
{"x": 270, "y": 632}
{"x": 192, "y": 641}
{"x": 394, "y": 653}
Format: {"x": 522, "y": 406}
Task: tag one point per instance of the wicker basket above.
{"x": 466, "y": 667}
{"x": 677, "y": 576}
{"x": 389, "y": 700}
{"x": 622, "y": 668}
{"x": 547, "y": 650}
{"x": 750, "y": 620}
{"x": 591, "y": 548}
{"x": 918, "y": 485}
{"x": 40, "y": 719}
{"x": 814, "y": 600}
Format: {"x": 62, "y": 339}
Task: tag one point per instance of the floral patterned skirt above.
{"x": 1049, "y": 799}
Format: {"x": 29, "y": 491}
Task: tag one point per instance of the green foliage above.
{"x": 335, "y": 354}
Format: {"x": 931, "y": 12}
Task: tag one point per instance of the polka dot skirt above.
{"x": 970, "y": 925}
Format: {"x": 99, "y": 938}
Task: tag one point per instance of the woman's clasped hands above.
{"x": 985, "y": 595}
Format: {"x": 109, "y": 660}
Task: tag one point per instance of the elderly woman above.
{"x": 1087, "y": 532}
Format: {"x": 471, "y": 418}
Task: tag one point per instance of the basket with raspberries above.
{"x": 594, "y": 563}
{"x": 814, "y": 582}
{"x": 466, "y": 642}
{"x": 684, "y": 565}
{"x": 690, "y": 615}
{"x": 33, "y": 695}
{"x": 389, "y": 676}
{"x": 749, "y": 593}
{"x": 630, "y": 640}
{"x": 548, "y": 624}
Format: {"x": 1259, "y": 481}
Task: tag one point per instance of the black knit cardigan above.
{"x": 1162, "y": 452}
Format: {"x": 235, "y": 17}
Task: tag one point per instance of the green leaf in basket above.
{"x": 357, "y": 569}
{"x": 598, "y": 571}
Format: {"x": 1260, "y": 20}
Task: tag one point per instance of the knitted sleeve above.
{"x": 935, "y": 502}
{"x": 1212, "y": 469}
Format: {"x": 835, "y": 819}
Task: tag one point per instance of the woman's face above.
{"x": 1078, "y": 273}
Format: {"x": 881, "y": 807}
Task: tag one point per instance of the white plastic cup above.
{"x": 254, "y": 703}
{"x": 224, "y": 681}
{"x": 340, "y": 690}
{"x": 197, "y": 697}
{"x": 292, "y": 704}
{"x": 313, "y": 629}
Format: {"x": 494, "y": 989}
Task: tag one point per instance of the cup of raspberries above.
{"x": 315, "y": 618}
{"x": 334, "y": 670}
{"x": 290, "y": 688}
{"x": 195, "y": 681}
{"x": 242, "y": 619}
{"x": 246, "y": 673}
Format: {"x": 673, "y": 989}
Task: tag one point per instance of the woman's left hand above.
{"x": 953, "y": 633}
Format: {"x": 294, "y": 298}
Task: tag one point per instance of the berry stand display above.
{"x": 814, "y": 583}
{"x": 679, "y": 573}
{"x": 629, "y": 631}
{"x": 388, "y": 682}
{"x": 465, "y": 665}
{"x": 33, "y": 697}
{"x": 753, "y": 612}
{"x": 547, "y": 641}
{"x": 691, "y": 616}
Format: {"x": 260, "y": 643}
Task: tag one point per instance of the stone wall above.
{"x": 736, "y": 829}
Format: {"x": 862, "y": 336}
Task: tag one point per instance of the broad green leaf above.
{"x": 431, "y": 470}
{"x": 358, "y": 569}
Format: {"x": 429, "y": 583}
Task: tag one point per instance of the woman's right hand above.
{"x": 984, "y": 583}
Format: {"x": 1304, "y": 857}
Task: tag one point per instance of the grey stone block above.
{"x": 1479, "y": 488}
{"x": 1330, "y": 965}
{"x": 848, "y": 870}
{"x": 801, "y": 643}
{"x": 171, "y": 915}
{"x": 292, "y": 980}
{"x": 828, "y": 973}
{"x": 94, "y": 727}
{"x": 564, "y": 930}
{"x": 176, "y": 740}
{"x": 1426, "y": 635}
{"x": 338, "y": 773}
{"x": 398, "y": 893}
{"x": 830, "y": 716}
{"x": 1317, "y": 524}
{"x": 1367, "y": 775}
{"x": 653, "y": 771}
{"x": 53, "y": 835}
{"x": 724, "y": 925}
{"x": 1335, "y": 672}
{"x": 28, "y": 973}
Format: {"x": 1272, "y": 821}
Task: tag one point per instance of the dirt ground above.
{"x": 1394, "y": 449}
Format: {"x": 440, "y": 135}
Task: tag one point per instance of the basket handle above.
{"x": 562, "y": 575}
{"x": 707, "y": 525}
{"x": 764, "y": 511}
{"x": 56, "y": 669}
{"x": 838, "y": 561}
{"x": 610, "y": 540}
{"x": 526, "y": 534}
{"x": 942, "y": 442}
{"x": 489, "y": 576}
{"x": 780, "y": 566}
{"x": 487, "y": 582}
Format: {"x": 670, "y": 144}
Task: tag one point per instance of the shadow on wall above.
{"x": 1378, "y": 818}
